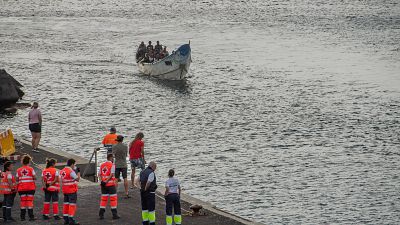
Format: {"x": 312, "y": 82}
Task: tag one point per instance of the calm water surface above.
{"x": 290, "y": 114}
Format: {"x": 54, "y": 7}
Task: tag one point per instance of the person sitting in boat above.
{"x": 141, "y": 51}
{"x": 151, "y": 56}
{"x": 142, "y": 45}
{"x": 164, "y": 52}
{"x": 158, "y": 47}
{"x": 149, "y": 46}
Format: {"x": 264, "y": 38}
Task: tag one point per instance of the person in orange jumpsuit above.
{"x": 26, "y": 177}
{"x": 108, "y": 187}
{"x": 8, "y": 187}
{"x": 51, "y": 188}
{"x": 70, "y": 176}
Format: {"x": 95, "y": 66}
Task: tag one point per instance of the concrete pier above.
{"x": 128, "y": 209}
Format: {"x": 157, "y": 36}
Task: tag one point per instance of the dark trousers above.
{"x": 51, "y": 196}
{"x": 148, "y": 200}
{"x": 8, "y": 203}
{"x": 173, "y": 201}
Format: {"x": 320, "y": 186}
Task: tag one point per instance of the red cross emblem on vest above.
{"x": 24, "y": 172}
{"x": 104, "y": 170}
{"x": 63, "y": 174}
{"x": 47, "y": 175}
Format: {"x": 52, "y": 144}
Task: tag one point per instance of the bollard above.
{"x": 196, "y": 209}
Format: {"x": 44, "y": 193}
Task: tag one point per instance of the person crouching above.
{"x": 51, "y": 188}
{"x": 108, "y": 187}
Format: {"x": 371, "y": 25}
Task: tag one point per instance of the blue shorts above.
{"x": 137, "y": 163}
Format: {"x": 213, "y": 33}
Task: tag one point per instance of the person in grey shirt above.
{"x": 120, "y": 151}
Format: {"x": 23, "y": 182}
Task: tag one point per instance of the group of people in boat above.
{"x": 150, "y": 53}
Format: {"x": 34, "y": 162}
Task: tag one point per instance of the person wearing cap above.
{"x": 110, "y": 139}
{"x": 120, "y": 151}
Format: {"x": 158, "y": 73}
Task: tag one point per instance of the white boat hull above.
{"x": 172, "y": 67}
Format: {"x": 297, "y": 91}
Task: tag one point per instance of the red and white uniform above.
{"x": 5, "y": 187}
{"x": 49, "y": 175}
{"x": 69, "y": 184}
{"x": 26, "y": 181}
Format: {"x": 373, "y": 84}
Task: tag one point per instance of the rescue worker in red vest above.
{"x": 70, "y": 176}
{"x": 26, "y": 177}
{"x": 108, "y": 187}
{"x": 110, "y": 139}
{"x": 51, "y": 188}
{"x": 8, "y": 187}
{"x": 148, "y": 186}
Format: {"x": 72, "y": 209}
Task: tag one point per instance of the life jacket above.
{"x": 69, "y": 184}
{"x": 25, "y": 179}
{"x": 105, "y": 172}
{"x": 144, "y": 176}
{"x": 49, "y": 175}
{"x": 5, "y": 187}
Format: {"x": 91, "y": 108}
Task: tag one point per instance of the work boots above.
{"x": 30, "y": 214}
{"x": 8, "y": 215}
{"x": 115, "y": 214}
{"x": 101, "y": 213}
{"x": 73, "y": 222}
{"x": 23, "y": 212}
{"x": 66, "y": 219}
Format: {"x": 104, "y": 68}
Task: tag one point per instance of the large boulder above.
{"x": 10, "y": 90}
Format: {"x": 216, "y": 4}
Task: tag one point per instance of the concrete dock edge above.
{"x": 82, "y": 162}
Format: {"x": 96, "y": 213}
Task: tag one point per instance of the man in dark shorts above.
{"x": 35, "y": 125}
{"x": 120, "y": 152}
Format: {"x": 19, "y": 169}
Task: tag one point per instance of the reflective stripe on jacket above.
{"x": 5, "y": 187}
{"x": 69, "y": 184}
{"x": 105, "y": 171}
{"x": 25, "y": 176}
{"x": 49, "y": 175}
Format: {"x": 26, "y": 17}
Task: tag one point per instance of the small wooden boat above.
{"x": 173, "y": 67}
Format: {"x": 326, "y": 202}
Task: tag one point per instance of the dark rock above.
{"x": 10, "y": 90}
{"x": 10, "y": 110}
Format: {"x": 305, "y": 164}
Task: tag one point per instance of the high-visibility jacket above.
{"x": 110, "y": 139}
{"x": 25, "y": 176}
{"x": 49, "y": 175}
{"x": 106, "y": 169}
{"x": 69, "y": 184}
{"x": 5, "y": 187}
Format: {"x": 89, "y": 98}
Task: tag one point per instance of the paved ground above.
{"x": 129, "y": 209}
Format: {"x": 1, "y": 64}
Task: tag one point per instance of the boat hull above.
{"x": 172, "y": 67}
